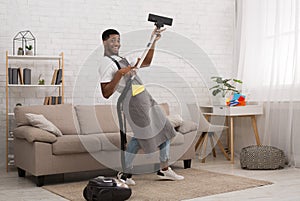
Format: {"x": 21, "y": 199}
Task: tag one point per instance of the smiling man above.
{"x": 152, "y": 130}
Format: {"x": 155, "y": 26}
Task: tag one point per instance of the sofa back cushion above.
{"x": 62, "y": 116}
{"x": 95, "y": 119}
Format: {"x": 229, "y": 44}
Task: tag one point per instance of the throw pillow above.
{"x": 176, "y": 120}
{"x": 187, "y": 126}
{"x": 39, "y": 121}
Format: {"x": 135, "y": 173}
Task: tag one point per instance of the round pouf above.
{"x": 262, "y": 157}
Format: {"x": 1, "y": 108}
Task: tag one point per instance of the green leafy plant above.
{"x": 29, "y": 47}
{"x": 224, "y": 86}
{"x": 41, "y": 81}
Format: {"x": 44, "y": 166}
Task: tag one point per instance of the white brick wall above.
{"x": 75, "y": 26}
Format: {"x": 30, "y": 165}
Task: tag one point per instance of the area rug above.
{"x": 197, "y": 183}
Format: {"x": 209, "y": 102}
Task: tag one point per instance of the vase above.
{"x": 20, "y": 52}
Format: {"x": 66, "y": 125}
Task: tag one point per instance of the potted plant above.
{"x": 20, "y": 51}
{"x": 29, "y": 50}
{"x": 41, "y": 80}
{"x": 225, "y": 86}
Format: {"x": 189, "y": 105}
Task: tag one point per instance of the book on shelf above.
{"x": 9, "y": 75}
{"x": 52, "y": 100}
{"x": 46, "y": 100}
{"x": 59, "y": 76}
{"x": 20, "y": 73}
{"x": 27, "y": 76}
{"x": 58, "y": 100}
{"x": 54, "y": 76}
{"x": 14, "y": 79}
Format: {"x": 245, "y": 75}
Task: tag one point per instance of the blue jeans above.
{"x": 134, "y": 146}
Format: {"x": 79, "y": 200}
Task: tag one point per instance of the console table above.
{"x": 238, "y": 111}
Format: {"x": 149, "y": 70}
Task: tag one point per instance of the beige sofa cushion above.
{"x": 102, "y": 118}
{"x": 97, "y": 118}
{"x": 33, "y": 134}
{"x": 111, "y": 141}
{"x": 87, "y": 119}
{"x": 74, "y": 144}
{"x": 62, "y": 116}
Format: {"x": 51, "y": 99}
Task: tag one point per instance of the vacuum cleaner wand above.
{"x": 160, "y": 21}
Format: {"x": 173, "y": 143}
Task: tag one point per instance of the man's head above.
{"x": 111, "y": 42}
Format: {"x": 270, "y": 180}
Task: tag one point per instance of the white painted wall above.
{"x": 75, "y": 26}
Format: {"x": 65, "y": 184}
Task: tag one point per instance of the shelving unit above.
{"x": 33, "y": 87}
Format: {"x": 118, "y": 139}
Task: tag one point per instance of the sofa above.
{"x": 82, "y": 138}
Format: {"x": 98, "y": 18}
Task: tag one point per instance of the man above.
{"x": 151, "y": 129}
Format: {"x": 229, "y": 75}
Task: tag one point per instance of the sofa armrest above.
{"x": 33, "y": 134}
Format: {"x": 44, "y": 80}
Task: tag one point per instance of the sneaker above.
{"x": 169, "y": 174}
{"x": 126, "y": 179}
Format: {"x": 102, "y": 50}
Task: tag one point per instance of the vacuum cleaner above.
{"x": 159, "y": 21}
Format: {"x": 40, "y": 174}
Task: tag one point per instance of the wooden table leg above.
{"x": 231, "y": 140}
{"x": 212, "y": 144}
{"x": 221, "y": 146}
{"x": 200, "y": 141}
{"x": 255, "y": 129}
{"x": 204, "y": 148}
{"x": 228, "y": 133}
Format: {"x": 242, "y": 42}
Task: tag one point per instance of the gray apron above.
{"x": 147, "y": 120}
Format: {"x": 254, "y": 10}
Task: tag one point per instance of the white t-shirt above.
{"x": 108, "y": 69}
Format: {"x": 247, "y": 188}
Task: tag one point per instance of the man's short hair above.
{"x": 106, "y": 33}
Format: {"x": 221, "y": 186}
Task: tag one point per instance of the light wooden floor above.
{"x": 286, "y": 184}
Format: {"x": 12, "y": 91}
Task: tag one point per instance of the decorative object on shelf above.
{"x": 27, "y": 40}
{"x": 29, "y": 50}
{"x": 41, "y": 80}
{"x": 20, "y": 51}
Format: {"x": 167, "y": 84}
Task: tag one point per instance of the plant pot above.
{"x": 29, "y": 52}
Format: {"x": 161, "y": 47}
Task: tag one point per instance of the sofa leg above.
{"x": 21, "y": 172}
{"x": 187, "y": 163}
{"x": 40, "y": 181}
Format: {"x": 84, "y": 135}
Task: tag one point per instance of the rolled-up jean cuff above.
{"x": 164, "y": 164}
